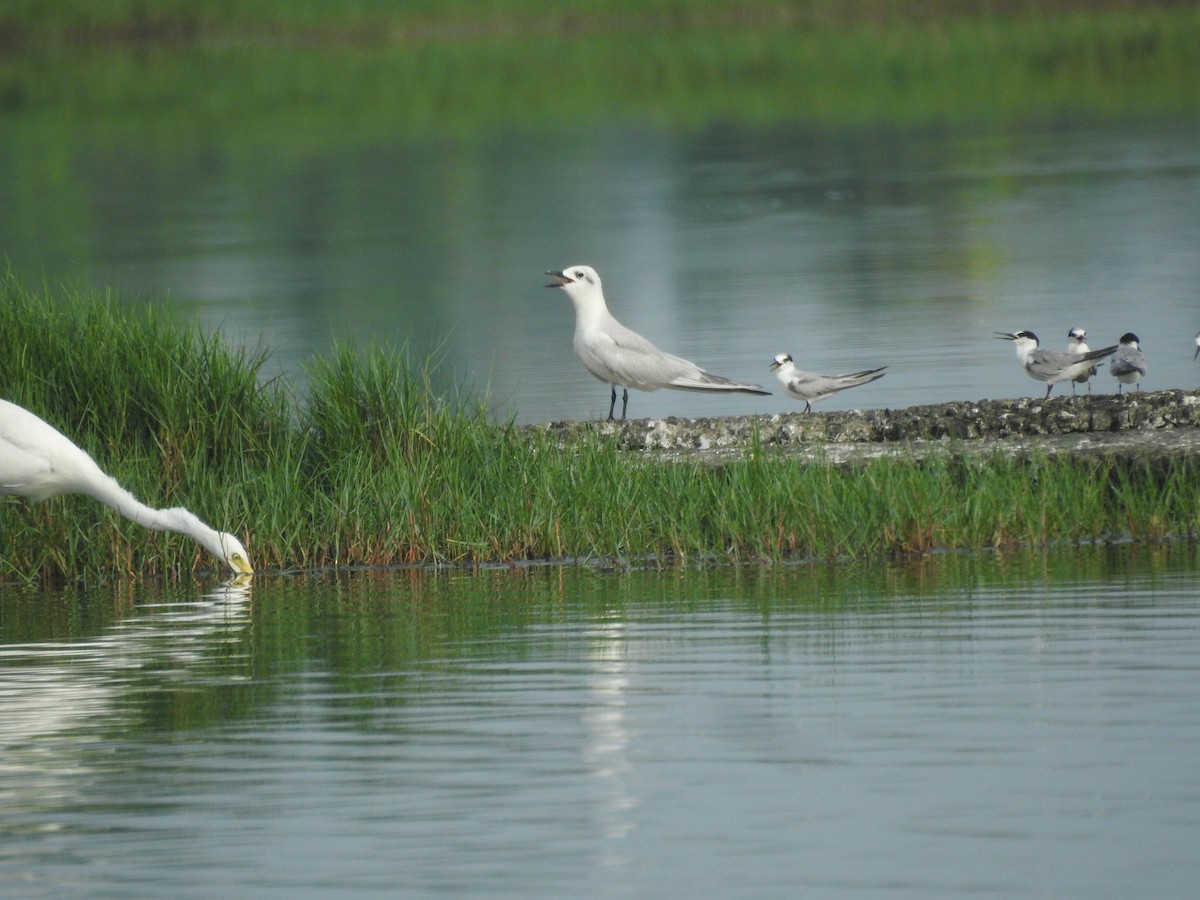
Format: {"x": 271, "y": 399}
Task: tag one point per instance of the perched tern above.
{"x": 810, "y": 387}
{"x": 1128, "y": 364}
{"x": 1077, "y": 343}
{"x": 619, "y": 356}
{"x": 1051, "y": 366}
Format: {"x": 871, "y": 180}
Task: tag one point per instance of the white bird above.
{"x": 1077, "y": 343}
{"x": 1051, "y": 366}
{"x": 811, "y": 387}
{"x": 1196, "y": 355}
{"x": 1128, "y": 365}
{"x": 38, "y": 462}
{"x": 618, "y": 356}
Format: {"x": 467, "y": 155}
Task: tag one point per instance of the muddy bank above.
{"x": 1147, "y": 425}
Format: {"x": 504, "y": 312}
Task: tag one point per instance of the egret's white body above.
{"x": 621, "y": 357}
{"x": 1128, "y": 364}
{"x": 811, "y": 387}
{"x": 38, "y": 462}
{"x": 1051, "y": 366}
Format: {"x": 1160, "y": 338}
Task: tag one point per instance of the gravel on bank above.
{"x": 1133, "y": 426}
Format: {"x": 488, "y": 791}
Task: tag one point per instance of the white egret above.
{"x": 619, "y": 356}
{"x": 38, "y": 462}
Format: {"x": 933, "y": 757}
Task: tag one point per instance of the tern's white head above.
{"x": 1077, "y": 341}
{"x": 582, "y": 286}
{"x": 1025, "y": 341}
{"x": 1129, "y": 339}
{"x": 578, "y": 281}
{"x": 781, "y": 360}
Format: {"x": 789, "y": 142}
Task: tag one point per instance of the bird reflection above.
{"x": 608, "y": 735}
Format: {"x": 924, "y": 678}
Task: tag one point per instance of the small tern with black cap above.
{"x": 1077, "y": 343}
{"x": 1128, "y": 364}
{"x": 811, "y": 387}
{"x": 1051, "y": 366}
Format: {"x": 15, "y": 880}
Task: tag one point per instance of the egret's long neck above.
{"x": 110, "y": 493}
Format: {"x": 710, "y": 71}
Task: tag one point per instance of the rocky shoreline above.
{"x": 1162, "y": 424}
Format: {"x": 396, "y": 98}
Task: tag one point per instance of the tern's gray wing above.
{"x": 1053, "y": 366}
{"x": 1046, "y": 364}
{"x": 619, "y": 355}
{"x": 853, "y": 379}
{"x": 811, "y": 386}
{"x": 1127, "y": 362}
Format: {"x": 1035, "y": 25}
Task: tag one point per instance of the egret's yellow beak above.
{"x": 240, "y": 564}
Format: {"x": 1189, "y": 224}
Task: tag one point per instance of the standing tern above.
{"x": 1128, "y": 365}
{"x": 618, "y": 356}
{"x": 1051, "y": 366}
{"x": 810, "y": 387}
{"x": 1077, "y": 343}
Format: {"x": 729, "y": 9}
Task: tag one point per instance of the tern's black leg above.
{"x": 624, "y": 400}
{"x": 613, "y": 404}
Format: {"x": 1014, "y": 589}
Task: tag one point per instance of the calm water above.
{"x": 727, "y": 243}
{"x": 963, "y": 726}
{"x": 967, "y": 725}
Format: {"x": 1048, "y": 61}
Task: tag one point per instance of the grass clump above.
{"x": 371, "y": 467}
{"x": 177, "y": 416}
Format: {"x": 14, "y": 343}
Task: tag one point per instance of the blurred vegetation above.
{"x": 41, "y": 22}
{"x": 378, "y": 67}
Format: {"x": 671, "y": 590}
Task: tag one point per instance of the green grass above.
{"x": 372, "y": 468}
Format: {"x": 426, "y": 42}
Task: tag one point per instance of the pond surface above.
{"x": 970, "y": 725}
{"x": 849, "y": 247}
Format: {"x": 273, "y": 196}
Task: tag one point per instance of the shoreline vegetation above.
{"x": 371, "y": 468}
